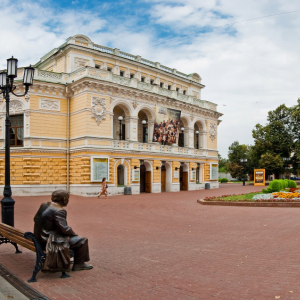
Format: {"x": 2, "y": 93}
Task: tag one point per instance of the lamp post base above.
{"x": 7, "y": 205}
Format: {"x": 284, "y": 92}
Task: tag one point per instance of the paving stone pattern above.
{"x": 167, "y": 246}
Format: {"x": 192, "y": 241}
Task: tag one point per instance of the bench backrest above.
{"x": 17, "y": 236}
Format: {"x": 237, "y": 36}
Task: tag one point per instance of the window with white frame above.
{"x": 99, "y": 168}
{"x": 16, "y": 130}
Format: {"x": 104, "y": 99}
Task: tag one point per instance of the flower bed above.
{"x": 292, "y": 194}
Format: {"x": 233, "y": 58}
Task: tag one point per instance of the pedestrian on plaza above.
{"x": 103, "y": 190}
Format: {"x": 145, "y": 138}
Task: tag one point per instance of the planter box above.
{"x": 253, "y": 204}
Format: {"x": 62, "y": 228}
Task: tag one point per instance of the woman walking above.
{"x": 103, "y": 190}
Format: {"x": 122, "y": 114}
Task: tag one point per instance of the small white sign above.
{"x": 136, "y": 175}
{"x": 176, "y": 174}
{"x": 193, "y": 175}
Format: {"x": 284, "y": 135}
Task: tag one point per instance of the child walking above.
{"x": 103, "y": 190}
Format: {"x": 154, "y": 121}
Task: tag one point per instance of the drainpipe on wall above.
{"x": 68, "y": 139}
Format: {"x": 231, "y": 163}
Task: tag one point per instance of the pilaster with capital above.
{"x": 26, "y": 123}
{"x": 2, "y": 125}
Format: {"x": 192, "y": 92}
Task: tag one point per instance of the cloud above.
{"x": 251, "y": 67}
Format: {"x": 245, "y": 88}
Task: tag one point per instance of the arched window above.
{"x": 120, "y": 175}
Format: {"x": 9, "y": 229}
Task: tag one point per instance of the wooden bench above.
{"x": 9, "y": 234}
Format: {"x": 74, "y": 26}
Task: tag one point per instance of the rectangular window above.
{"x": 161, "y": 84}
{"x": 177, "y": 90}
{"x": 169, "y": 87}
{"x": 142, "y": 79}
{"x": 184, "y": 92}
{"x": 99, "y": 168}
{"x": 109, "y": 69}
{"x": 97, "y": 66}
{"x": 16, "y": 131}
{"x": 121, "y": 73}
{"x": 131, "y": 75}
{"x": 151, "y": 81}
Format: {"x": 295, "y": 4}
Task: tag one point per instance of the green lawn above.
{"x": 237, "y": 197}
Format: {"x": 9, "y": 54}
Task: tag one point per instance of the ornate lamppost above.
{"x": 7, "y": 87}
{"x": 243, "y": 161}
{"x": 120, "y": 118}
{"x": 144, "y": 122}
{"x": 197, "y": 137}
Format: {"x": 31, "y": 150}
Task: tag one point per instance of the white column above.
{"x": 133, "y": 127}
{"x": 190, "y": 137}
{"x": 150, "y": 131}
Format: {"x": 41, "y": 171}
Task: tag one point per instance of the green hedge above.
{"x": 278, "y": 185}
{"x": 223, "y": 180}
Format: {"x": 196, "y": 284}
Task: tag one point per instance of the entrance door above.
{"x": 181, "y": 177}
{"x": 142, "y": 178}
{"x": 148, "y": 182}
{"x": 185, "y": 180}
{"x": 120, "y": 175}
{"x": 163, "y": 178}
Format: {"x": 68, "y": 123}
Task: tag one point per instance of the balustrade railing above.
{"x": 155, "y": 147}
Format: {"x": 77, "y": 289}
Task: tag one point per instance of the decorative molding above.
{"x": 47, "y": 75}
{"x": 81, "y": 62}
{"x": 98, "y": 109}
{"x": 49, "y": 104}
{"x": 15, "y": 106}
{"x": 212, "y": 130}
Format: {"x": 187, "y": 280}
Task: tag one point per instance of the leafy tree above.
{"x": 274, "y": 140}
{"x": 295, "y": 127}
{"x": 236, "y": 170}
{"x": 235, "y": 154}
{"x": 271, "y": 163}
{"x": 223, "y": 164}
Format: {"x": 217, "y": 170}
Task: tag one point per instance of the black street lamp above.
{"x": 243, "y": 161}
{"x": 197, "y": 137}
{"x": 7, "y": 87}
{"x": 144, "y": 122}
{"x": 120, "y": 118}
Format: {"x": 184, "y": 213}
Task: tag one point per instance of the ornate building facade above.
{"x": 91, "y": 113}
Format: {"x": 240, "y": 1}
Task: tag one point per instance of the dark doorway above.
{"x": 181, "y": 139}
{"x": 148, "y": 182}
{"x": 120, "y": 175}
{"x": 184, "y": 177}
{"x": 142, "y": 178}
{"x": 123, "y": 132}
{"x": 163, "y": 178}
{"x": 145, "y": 134}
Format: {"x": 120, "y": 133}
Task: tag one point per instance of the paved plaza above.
{"x": 167, "y": 246}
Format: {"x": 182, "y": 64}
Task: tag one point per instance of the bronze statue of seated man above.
{"x": 51, "y": 218}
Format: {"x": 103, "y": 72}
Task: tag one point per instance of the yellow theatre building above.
{"x": 94, "y": 111}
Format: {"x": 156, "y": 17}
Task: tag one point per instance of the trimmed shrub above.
{"x": 220, "y": 179}
{"x": 275, "y": 186}
{"x": 224, "y": 180}
{"x": 292, "y": 184}
{"x": 285, "y": 183}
